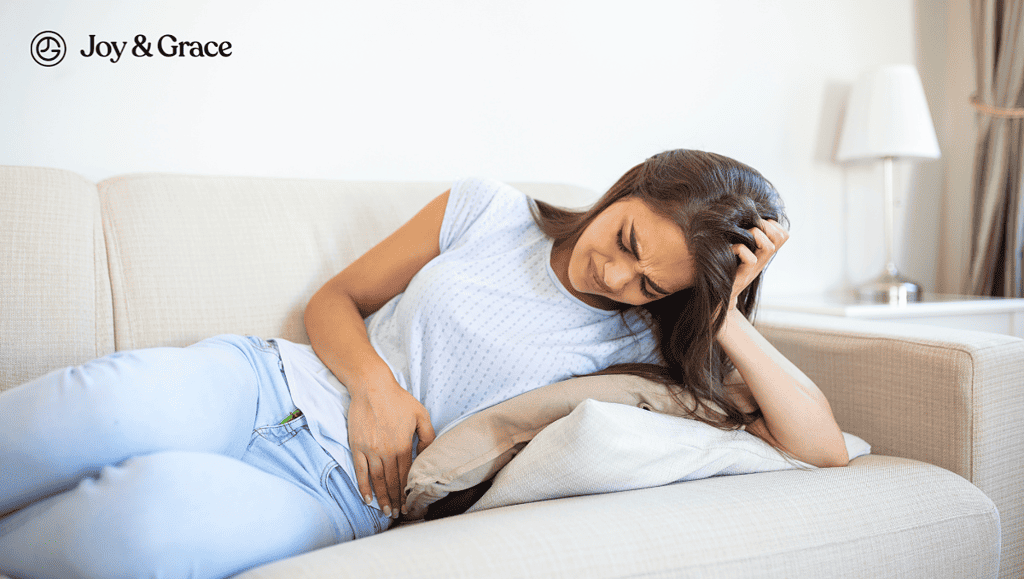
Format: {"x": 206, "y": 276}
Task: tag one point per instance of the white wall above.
{"x": 541, "y": 90}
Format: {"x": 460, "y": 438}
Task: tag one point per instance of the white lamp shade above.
{"x": 888, "y": 116}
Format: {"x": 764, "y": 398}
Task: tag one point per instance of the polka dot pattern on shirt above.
{"x": 488, "y": 318}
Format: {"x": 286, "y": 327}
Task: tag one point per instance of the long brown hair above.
{"x": 715, "y": 200}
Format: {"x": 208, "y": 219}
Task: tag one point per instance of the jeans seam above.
{"x": 325, "y": 477}
{"x": 364, "y": 511}
{"x": 263, "y": 345}
{"x": 260, "y": 385}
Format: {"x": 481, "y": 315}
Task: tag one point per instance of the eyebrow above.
{"x": 632, "y": 245}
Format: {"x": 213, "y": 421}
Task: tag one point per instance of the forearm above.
{"x": 338, "y": 335}
{"x": 796, "y": 412}
{"x": 383, "y": 418}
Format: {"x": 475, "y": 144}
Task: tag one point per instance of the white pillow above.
{"x": 605, "y": 447}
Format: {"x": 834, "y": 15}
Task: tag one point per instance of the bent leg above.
{"x": 69, "y": 423}
{"x": 171, "y": 514}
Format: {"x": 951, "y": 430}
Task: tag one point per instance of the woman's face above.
{"x": 631, "y": 255}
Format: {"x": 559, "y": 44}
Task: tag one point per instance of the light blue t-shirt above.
{"x": 484, "y": 321}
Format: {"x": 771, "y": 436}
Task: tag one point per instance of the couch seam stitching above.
{"x": 911, "y": 340}
{"x": 114, "y": 247}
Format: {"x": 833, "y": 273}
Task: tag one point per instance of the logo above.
{"x": 48, "y": 48}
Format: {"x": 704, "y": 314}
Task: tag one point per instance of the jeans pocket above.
{"x": 282, "y": 432}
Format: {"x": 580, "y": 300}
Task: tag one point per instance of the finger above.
{"x": 404, "y": 464}
{"x": 746, "y": 256}
{"x": 774, "y": 223}
{"x": 380, "y": 484}
{"x": 765, "y": 247}
{"x": 394, "y": 480}
{"x": 424, "y": 430}
{"x": 362, "y": 476}
{"x": 776, "y": 232}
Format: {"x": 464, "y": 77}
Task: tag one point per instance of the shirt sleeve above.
{"x": 470, "y": 200}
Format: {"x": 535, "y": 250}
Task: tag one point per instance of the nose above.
{"x": 617, "y": 275}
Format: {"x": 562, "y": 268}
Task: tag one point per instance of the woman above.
{"x": 232, "y": 452}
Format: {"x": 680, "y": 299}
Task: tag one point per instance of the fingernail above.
{"x": 405, "y": 509}
{"x": 367, "y": 499}
{"x": 387, "y": 511}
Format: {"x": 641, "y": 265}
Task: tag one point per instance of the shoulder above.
{"x": 482, "y": 204}
{"x": 482, "y": 192}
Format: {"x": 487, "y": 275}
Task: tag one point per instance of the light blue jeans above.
{"x": 166, "y": 462}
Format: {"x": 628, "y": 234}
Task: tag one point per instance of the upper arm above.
{"x": 386, "y": 269}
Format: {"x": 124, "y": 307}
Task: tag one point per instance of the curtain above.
{"x": 997, "y": 246}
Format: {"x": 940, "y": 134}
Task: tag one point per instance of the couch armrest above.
{"x": 933, "y": 394}
{"x": 953, "y": 398}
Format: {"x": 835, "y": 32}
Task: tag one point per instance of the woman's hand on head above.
{"x": 769, "y": 237}
{"x": 381, "y": 427}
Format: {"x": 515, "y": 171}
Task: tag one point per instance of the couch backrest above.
{"x": 55, "y": 299}
{"x": 191, "y": 257}
{"x": 154, "y": 259}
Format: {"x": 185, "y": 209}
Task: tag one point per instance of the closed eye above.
{"x": 644, "y": 282}
{"x": 622, "y": 246}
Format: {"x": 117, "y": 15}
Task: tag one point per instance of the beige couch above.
{"x": 145, "y": 260}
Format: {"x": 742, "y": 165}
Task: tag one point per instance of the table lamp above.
{"x": 887, "y": 117}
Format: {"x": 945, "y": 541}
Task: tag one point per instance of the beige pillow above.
{"x": 474, "y": 450}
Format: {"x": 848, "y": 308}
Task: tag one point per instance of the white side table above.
{"x": 998, "y": 315}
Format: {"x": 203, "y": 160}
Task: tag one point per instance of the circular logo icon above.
{"x": 48, "y": 48}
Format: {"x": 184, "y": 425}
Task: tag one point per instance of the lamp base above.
{"x": 890, "y": 288}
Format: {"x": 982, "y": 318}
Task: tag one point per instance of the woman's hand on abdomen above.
{"x": 382, "y": 421}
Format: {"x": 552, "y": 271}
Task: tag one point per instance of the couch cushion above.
{"x": 55, "y": 307}
{"x": 191, "y": 257}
